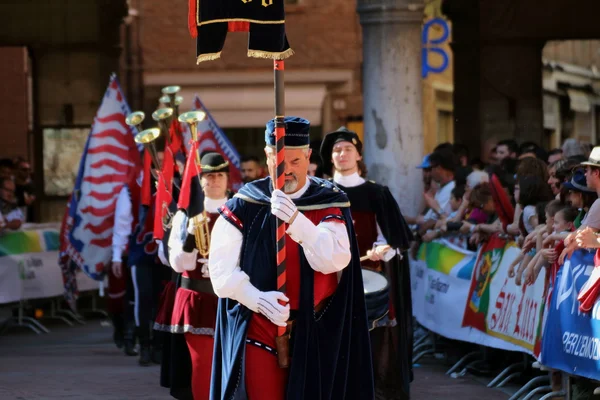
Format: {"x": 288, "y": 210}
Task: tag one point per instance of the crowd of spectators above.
{"x": 547, "y": 201}
{"x": 17, "y": 193}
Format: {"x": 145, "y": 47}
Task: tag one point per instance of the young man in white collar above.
{"x": 195, "y": 307}
{"x": 382, "y": 235}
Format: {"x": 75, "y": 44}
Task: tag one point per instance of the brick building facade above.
{"x": 322, "y": 79}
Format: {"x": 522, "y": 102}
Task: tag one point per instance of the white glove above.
{"x": 177, "y": 226}
{"x": 191, "y": 226}
{"x": 282, "y": 206}
{"x": 266, "y": 303}
{"x": 204, "y": 269}
{"x": 161, "y": 253}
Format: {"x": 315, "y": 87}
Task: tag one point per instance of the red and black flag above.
{"x": 264, "y": 20}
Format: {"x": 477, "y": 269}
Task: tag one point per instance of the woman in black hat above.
{"x": 195, "y": 308}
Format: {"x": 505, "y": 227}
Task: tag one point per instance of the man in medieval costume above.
{"x": 328, "y": 349}
{"x": 384, "y": 236}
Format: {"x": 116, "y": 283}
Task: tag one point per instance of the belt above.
{"x": 197, "y": 285}
{"x": 318, "y": 308}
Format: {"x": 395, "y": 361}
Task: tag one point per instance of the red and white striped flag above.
{"x": 111, "y": 159}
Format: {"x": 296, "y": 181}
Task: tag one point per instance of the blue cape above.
{"x": 331, "y": 356}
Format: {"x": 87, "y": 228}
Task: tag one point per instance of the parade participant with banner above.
{"x": 147, "y": 272}
{"x": 329, "y": 335}
{"x": 195, "y": 309}
{"x": 175, "y": 372}
{"x": 383, "y": 235}
{"x": 90, "y": 234}
{"x": 125, "y": 220}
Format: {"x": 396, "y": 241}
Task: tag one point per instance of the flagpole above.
{"x": 282, "y": 333}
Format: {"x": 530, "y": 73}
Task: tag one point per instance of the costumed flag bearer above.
{"x": 147, "y": 272}
{"x": 195, "y": 309}
{"x": 329, "y": 343}
{"x": 176, "y": 370}
{"x": 383, "y": 235}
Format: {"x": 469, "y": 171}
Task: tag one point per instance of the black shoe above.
{"x": 118, "y": 339}
{"x": 145, "y": 357}
{"x": 118, "y": 330}
{"x": 129, "y": 349}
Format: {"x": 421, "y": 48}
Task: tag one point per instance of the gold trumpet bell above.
{"x": 166, "y": 100}
{"x": 192, "y": 117}
{"x": 147, "y": 138}
{"x": 135, "y": 119}
{"x": 162, "y": 114}
{"x": 170, "y": 90}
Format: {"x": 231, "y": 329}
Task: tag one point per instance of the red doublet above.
{"x": 261, "y": 365}
{"x": 195, "y": 314}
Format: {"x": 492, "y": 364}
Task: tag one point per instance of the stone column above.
{"x": 392, "y": 91}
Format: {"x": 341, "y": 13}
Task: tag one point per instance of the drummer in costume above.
{"x": 329, "y": 344}
{"x": 382, "y": 235}
{"x": 195, "y": 308}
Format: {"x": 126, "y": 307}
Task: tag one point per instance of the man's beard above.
{"x": 291, "y": 185}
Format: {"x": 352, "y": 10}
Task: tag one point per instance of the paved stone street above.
{"x": 82, "y": 363}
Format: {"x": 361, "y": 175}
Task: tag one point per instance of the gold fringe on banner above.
{"x": 208, "y": 57}
{"x": 271, "y": 55}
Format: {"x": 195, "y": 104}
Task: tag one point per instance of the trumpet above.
{"x": 135, "y": 119}
{"x": 147, "y": 138}
{"x": 201, "y": 228}
{"x": 164, "y": 117}
{"x": 166, "y": 101}
{"x": 171, "y": 93}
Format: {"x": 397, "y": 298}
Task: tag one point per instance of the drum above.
{"x": 377, "y": 296}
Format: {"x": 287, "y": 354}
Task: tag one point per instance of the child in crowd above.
{"x": 531, "y": 240}
{"x": 457, "y": 199}
{"x": 564, "y": 223}
{"x": 480, "y": 215}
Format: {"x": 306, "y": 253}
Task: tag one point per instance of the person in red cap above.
{"x": 384, "y": 236}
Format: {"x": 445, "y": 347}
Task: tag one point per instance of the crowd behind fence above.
{"x": 505, "y": 259}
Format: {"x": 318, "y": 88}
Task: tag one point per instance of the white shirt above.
{"x": 528, "y": 213}
{"x": 442, "y": 197}
{"x": 14, "y": 215}
{"x": 326, "y": 247}
{"x": 212, "y": 205}
{"x": 122, "y": 226}
{"x": 180, "y": 260}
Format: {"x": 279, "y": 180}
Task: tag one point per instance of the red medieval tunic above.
{"x": 261, "y": 355}
{"x": 193, "y": 311}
